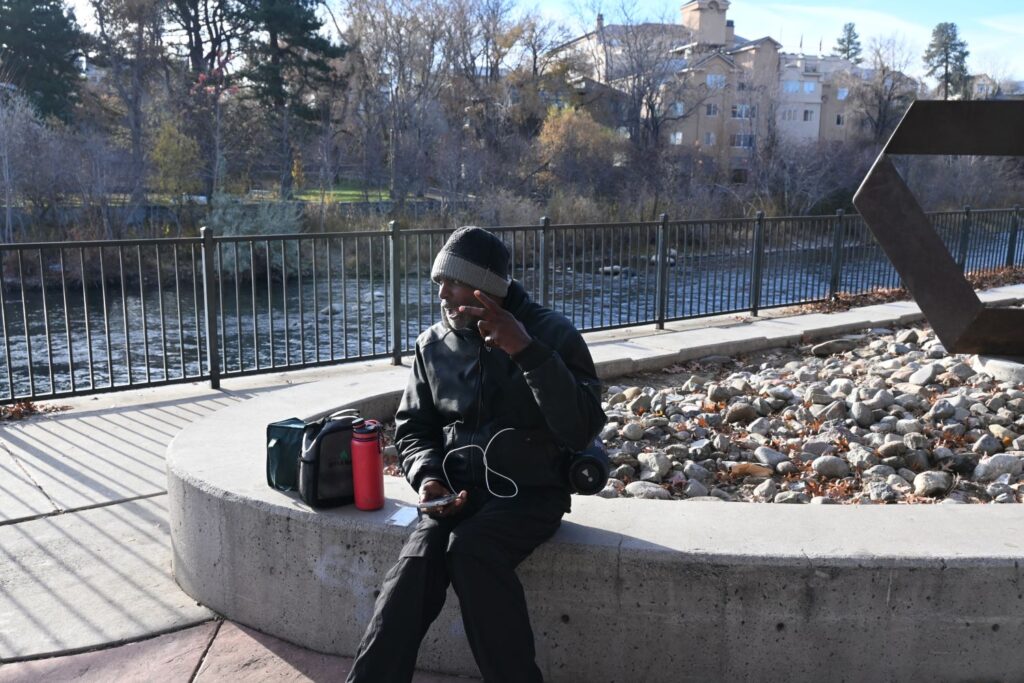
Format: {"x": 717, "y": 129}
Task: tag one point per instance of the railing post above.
{"x": 837, "y": 255}
{"x": 758, "y": 263}
{"x": 965, "y": 239}
{"x": 1011, "y": 245}
{"x": 209, "y": 284}
{"x": 542, "y": 272}
{"x": 394, "y": 231}
{"x": 661, "y": 281}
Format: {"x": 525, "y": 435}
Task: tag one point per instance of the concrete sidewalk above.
{"x": 83, "y": 524}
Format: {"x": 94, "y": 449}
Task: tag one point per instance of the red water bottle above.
{"x": 367, "y": 466}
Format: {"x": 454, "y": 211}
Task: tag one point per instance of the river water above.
{"x": 83, "y": 345}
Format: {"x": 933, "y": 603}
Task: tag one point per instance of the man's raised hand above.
{"x": 497, "y": 326}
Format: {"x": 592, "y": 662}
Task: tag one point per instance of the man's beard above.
{"x": 459, "y": 321}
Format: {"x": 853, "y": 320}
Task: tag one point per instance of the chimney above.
{"x": 600, "y": 23}
{"x": 730, "y": 33}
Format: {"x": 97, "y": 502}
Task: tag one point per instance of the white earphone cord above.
{"x": 487, "y": 468}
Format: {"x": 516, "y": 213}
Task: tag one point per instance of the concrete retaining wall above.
{"x": 627, "y": 590}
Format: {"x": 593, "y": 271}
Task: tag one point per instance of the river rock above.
{"x": 992, "y": 466}
{"x": 769, "y": 456}
{"x": 699, "y": 449}
{"x": 765, "y": 491}
{"x": 740, "y": 412}
{"x": 654, "y": 466}
{"x": 623, "y": 473}
{"x": 695, "y": 489}
{"x": 718, "y": 393}
{"x": 908, "y": 336}
{"x": 932, "y": 484}
{"x": 1002, "y": 433}
{"x": 926, "y": 374}
{"x": 791, "y": 497}
{"x": 880, "y": 492}
{"x": 633, "y": 431}
{"x": 612, "y": 489}
{"x": 878, "y": 472}
{"x": 694, "y": 471}
{"x": 941, "y": 410}
{"x": 863, "y": 414}
{"x": 640, "y": 404}
{"x": 891, "y": 449}
{"x": 916, "y": 460}
{"x": 831, "y": 466}
{"x": 987, "y": 445}
{"x": 834, "y": 346}
{"x": 909, "y": 426}
{"x": 861, "y": 458}
{"x": 645, "y": 489}
{"x": 760, "y": 426}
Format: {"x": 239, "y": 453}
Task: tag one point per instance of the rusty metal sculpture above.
{"x": 937, "y": 283}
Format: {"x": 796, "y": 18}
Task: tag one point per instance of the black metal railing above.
{"x": 88, "y": 317}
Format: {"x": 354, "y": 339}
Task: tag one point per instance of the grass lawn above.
{"x": 345, "y": 192}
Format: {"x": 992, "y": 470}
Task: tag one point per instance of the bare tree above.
{"x": 130, "y": 44}
{"x": 885, "y": 91}
{"x": 398, "y": 44}
{"x": 18, "y": 121}
{"x": 205, "y": 29}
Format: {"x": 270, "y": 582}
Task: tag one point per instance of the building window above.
{"x": 744, "y": 111}
{"x": 809, "y": 87}
{"x": 840, "y": 119}
{"x": 808, "y": 114}
{"x": 676, "y": 109}
{"x": 742, "y": 85}
{"x": 789, "y": 114}
{"x": 711, "y": 109}
{"x": 676, "y": 138}
{"x": 744, "y": 140}
{"x": 709, "y": 139}
{"x": 842, "y": 93}
{"x": 738, "y": 175}
{"x": 716, "y": 81}
{"x": 791, "y": 86}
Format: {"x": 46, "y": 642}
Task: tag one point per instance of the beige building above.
{"x": 813, "y": 102}
{"x": 720, "y": 93}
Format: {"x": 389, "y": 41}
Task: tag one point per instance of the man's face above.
{"x": 454, "y": 294}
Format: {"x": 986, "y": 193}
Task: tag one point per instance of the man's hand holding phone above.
{"x": 437, "y": 501}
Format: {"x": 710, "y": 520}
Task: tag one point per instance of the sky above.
{"x": 995, "y": 36}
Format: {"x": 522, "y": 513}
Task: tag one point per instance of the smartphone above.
{"x": 437, "y": 502}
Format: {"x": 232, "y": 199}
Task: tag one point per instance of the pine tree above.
{"x": 946, "y": 59}
{"x": 288, "y": 60}
{"x": 39, "y": 42}
{"x": 848, "y": 44}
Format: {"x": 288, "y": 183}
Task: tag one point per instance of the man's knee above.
{"x": 468, "y": 548}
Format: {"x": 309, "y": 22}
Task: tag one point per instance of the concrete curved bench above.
{"x": 627, "y": 590}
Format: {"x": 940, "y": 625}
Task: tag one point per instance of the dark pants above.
{"x": 477, "y": 553}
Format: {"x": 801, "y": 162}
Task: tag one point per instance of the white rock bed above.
{"x": 883, "y": 417}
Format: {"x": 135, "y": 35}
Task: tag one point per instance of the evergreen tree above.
{"x": 39, "y": 42}
{"x": 288, "y": 60}
{"x": 946, "y": 59}
{"x": 848, "y": 44}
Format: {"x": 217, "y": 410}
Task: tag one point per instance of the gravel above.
{"x": 884, "y": 417}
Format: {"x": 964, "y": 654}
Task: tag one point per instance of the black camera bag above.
{"x": 325, "y": 466}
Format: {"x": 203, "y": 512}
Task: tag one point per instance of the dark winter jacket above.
{"x": 460, "y": 393}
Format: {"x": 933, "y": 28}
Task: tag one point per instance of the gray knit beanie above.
{"x": 476, "y": 257}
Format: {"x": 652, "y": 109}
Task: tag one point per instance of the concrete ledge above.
{"x": 628, "y": 589}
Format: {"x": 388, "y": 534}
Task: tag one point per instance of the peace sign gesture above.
{"x": 497, "y": 326}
